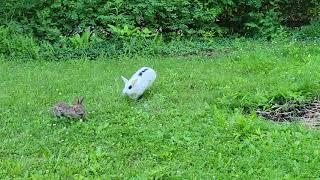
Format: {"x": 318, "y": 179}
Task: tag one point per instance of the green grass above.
{"x": 197, "y": 121}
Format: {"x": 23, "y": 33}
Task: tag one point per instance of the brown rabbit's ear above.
{"x": 76, "y": 100}
{"x": 80, "y": 100}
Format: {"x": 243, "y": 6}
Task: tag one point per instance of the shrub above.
{"x": 50, "y": 19}
{"x": 310, "y": 31}
{"x": 16, "y": 44}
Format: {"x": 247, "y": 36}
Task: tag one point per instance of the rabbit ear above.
{"x": 124, "y": 80}
{"x": 76, "y": 100}
{"x": 80, "y": 100}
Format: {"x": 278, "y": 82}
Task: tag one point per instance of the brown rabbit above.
{"x": 63, "y": 109}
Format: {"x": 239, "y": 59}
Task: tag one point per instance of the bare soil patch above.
{"x": 307, "y": 112}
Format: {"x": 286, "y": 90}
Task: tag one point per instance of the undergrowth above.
{"x": 130, "y": 42}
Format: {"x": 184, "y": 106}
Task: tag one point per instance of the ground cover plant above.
{"x": 197, "y": 121}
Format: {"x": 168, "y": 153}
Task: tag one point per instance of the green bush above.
{"x": 91, "y": 28}
{"x": 50, "y": 19}
{"x": 16, "y": 44}
{"x": 311, "y": 31}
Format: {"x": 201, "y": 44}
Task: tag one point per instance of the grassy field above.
{"x": 197, "y": 121}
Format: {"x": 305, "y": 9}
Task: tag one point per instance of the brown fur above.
{"x": 63, "y": 109}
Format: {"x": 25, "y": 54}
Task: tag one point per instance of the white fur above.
{"x": 139, "y": 84}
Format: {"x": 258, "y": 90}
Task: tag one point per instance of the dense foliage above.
{"x": 63, "y": 29}
{"x": 49, "y": 19}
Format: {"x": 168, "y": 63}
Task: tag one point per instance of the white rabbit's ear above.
{"x": 124, "y": 80}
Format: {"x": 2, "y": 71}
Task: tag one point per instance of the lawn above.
{"x": 197, "y": 121}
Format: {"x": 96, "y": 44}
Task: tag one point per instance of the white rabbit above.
{"x": 139, "y": 82}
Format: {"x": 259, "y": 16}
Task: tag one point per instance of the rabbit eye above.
{"x": 130, "y": 87}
